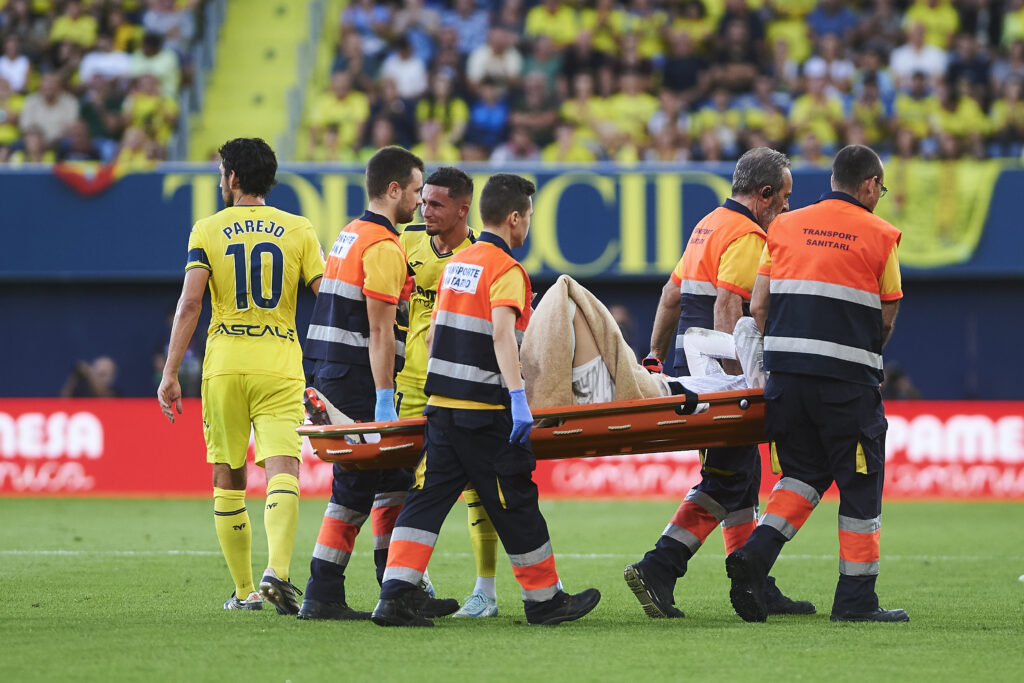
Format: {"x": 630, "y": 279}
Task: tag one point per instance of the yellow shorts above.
{"x": 412, "y": 400}
{"x": 236, "y": 405}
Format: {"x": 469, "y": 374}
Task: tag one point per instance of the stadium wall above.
{"x": 92, "y": 264}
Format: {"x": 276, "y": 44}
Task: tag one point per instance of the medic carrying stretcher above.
{"x": 590, "y": 397}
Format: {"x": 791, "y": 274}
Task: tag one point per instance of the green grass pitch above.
{"x": 132, "y": 589}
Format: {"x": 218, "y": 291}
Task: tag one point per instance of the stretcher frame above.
{"x": 651, "y": 425}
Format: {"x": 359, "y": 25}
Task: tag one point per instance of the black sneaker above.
{"x": 885, "y": 615}
{"x": 562, "y": 607}
{"x": 279, "y": 593}
{"x": 336, "y": 611}
{"x": 401, "y": 611}
{"x": 316, "y": 409}
{"x": 778, "y": 603}
{"x": 747, "y": 591}
{"x": 431, "y": 607}
{"x": 655, "y": 596}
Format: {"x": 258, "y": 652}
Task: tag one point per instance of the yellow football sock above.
{"x": 281, "y": 519}
{"x": 482, "y": 535}
{"x": 235, "y": 535}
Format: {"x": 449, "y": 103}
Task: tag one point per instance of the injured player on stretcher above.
{"x": 574, "y": 353}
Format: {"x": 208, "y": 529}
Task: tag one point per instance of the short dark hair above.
{"x": 758, "y": 167}
{"x": 504, "y": 193}
{"x": 853, "y": 165}
{"x": 457, "y": 181}
{"x": 253, "y": 162}
{"x": 390, "y": 165}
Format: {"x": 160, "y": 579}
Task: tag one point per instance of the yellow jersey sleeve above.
{"x": 197, "y": 256}
{"x": 677, "y": 273}
{"x": 385, "y": 268}
{"x": 891, "y": 283}
{"x": 509, "y": 290}
{"x": 765, "y": 265}
{"x": 739, "y": 265}
{"x": 312, "y": 256}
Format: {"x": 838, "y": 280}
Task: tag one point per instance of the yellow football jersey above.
{"x": 425, "y": 265}
{"x": 257, "y": 257}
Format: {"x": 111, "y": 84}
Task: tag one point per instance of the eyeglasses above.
{"x": 883, "y": 188}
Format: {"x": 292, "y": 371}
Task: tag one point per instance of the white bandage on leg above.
{"x": 750, "y": 351}
{"x": 592, "y": 383}
{"x": 704, "y": 348}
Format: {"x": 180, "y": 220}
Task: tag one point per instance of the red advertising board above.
{"x": 125, "y": 447}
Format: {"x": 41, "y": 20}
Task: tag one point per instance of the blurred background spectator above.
{"x": 76, "y": 75}
{"x": 92, "y": 379}
{"x": 591, "y": 79}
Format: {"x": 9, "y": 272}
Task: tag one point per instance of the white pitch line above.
{"x": 448, "y": 555}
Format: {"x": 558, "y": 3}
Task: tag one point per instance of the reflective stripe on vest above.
{"x": 462, "y": 364}
{"x": 826, "y": 309}
{"x": 339, "y": 330}
{"x": 698, "y": 288}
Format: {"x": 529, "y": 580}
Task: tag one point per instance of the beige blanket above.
{"x": 546, "y": 353}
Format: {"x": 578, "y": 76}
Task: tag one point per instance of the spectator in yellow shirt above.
{"x": 913, "y": 110}
{"x": 74, "y": 26}
{"x": 585, "y": 112}
{"x": 819, "y": 113}
{"x": 938, "y": 17}
{"x": 648, "y": 23}
{"x": 958, "y": 115}
{"x": 441, "y": 105}
{"x": 554, "y": 19}
{"x": 433, "y": 146}
{"x": 869, "y": 112}
{"x": 631, "y": 108}
{"x": 343, "y": 107}
{"x": 717, "y": 126}
{"x": 605, "y": 23}
{"x": 150, "y": 110}
{"x": 567, "y": 148}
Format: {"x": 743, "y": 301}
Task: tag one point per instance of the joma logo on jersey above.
{"x": 271, "y": 506}
{"x": 238, "y": 527}
{"x": 240, "y": 330}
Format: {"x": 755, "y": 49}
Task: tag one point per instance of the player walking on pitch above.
{"x": 253, "y": 257}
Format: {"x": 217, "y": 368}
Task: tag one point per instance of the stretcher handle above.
{"x": 414, "y": 424}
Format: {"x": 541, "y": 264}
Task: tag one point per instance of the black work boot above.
{"x": 778, "y": 603}
{"x": 748, "y": 583}
{"x": 400, "y": 611}
{"x": 562, "y": 607}
{"x": 337, "y": 611}
{"x": 432, "y": 607}
{"x": 655, "y": 595}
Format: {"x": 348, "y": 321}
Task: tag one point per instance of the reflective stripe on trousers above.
{"x": 383, "y": 515}
{"x": 696, "y": 518}
{"x": 409, "y": 554}
{"x": 859, "y": 546}
{"x": 338, "y": 533}
{"x": 535, "y": 572}
{"x": 791, "y": 503}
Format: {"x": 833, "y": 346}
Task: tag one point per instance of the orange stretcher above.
{"x": 651, "y": 425}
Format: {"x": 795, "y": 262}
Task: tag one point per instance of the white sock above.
{"x": 487, "y": 586}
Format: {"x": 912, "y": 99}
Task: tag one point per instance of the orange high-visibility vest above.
{"x": 825, "y": 316}
{"x": 462, "y": 363}
{"x": 339, "y": 330}
{"x": 698, "y": 287}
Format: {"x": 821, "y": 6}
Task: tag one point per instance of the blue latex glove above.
{"x": 522, "y": 418}
{"x": 384, "y": 411}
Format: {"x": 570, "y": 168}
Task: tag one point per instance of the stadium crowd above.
{"x": 673, "y": 80}
{"x": 92, "y": 80}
